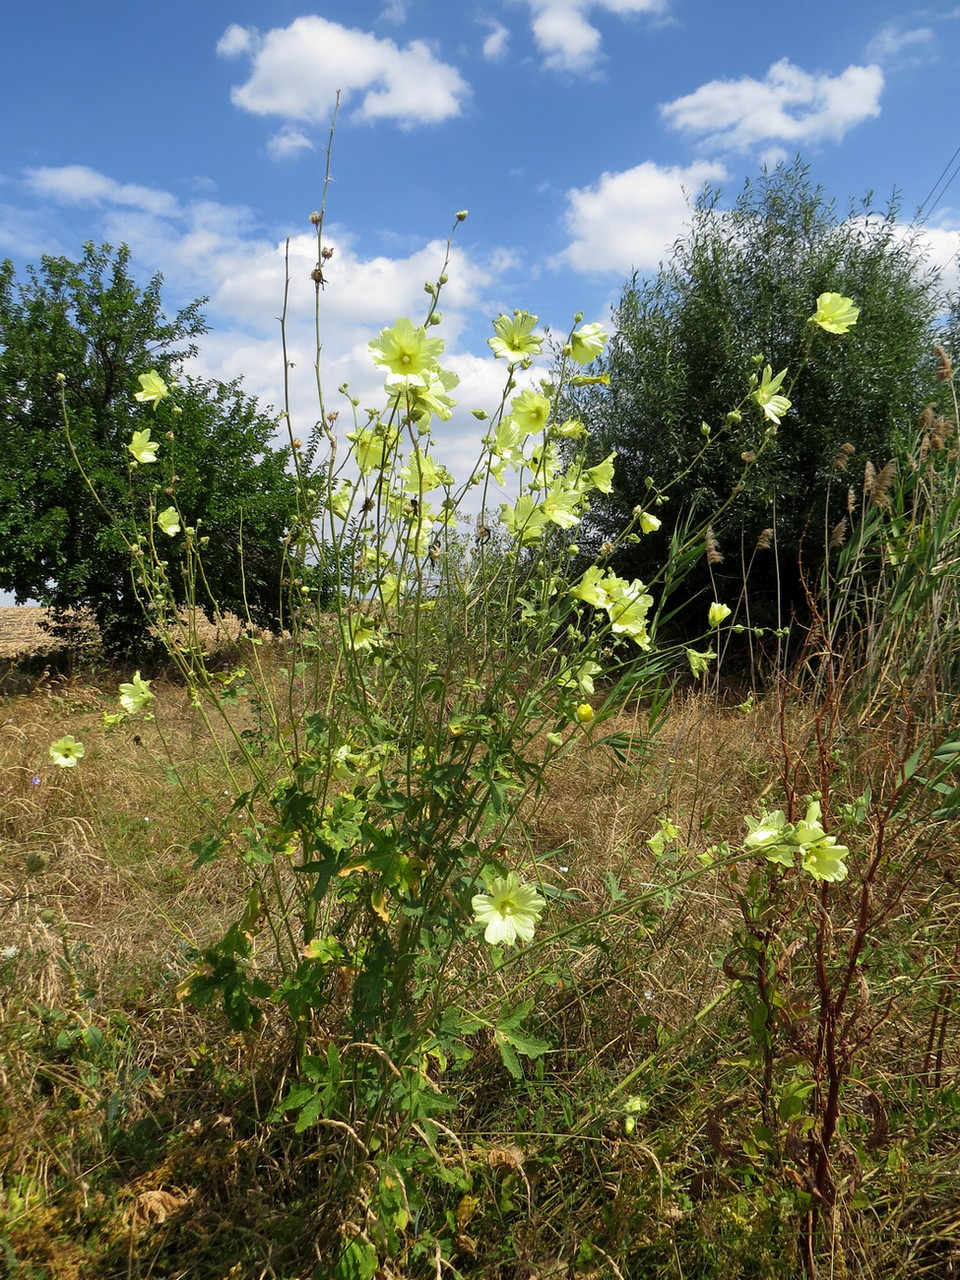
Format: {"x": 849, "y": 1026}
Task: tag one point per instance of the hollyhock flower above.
{"x": 66, "y": 751}
{"x": 509, "y": 911}
{"x": 835, "y": 313}
{"x": 515, "y": 342}
{"x": 153, "y": 389}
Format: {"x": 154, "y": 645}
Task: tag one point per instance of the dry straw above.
{"x": 880, "y": 491}
{"x": 839, "y": 535}
{"x": 714, "y": 554}
{"x": 844, "y": 453}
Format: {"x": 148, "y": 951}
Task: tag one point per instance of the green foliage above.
{"x": 737, "y": 294}
{"x": 887, "y": 616}
{"x": 91, "y": 323}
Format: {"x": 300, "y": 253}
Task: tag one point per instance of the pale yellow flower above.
{"x": 835, "y": 313}
{"x": 515, "y": 341}
{"x": 699, "y": 662}
{"x": 587, "y": 342}
{"x": 405, "y": 350}
{"x": 169, "y": 521}
{"x": 66, "y": 751}
{"x": 530, "y": 411}
{"x": 142, "y": 447}
{"x": 767, "y": 394}
{"x": 153, "y": 389}
{"x": 135, "y": 694}
{"x": 601, "y": 476}
{"x": 509, "y": 911}
{"x": 824, "y": 860}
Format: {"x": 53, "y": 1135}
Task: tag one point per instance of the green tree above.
{"x": 736, "y": 294}
{"x": 91, "y": 323}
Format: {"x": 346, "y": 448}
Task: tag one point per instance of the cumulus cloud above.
{"x": 788, "y": 104}
{"x": 295, "y": 73}
{"x": 628, "y": 220}
{"x": 394, "y": 11}
{"x": 78, "y": 184}
{"x": 208, "y": 248}
{"x": 495, "y": 45}
{"x": 237, "y": 40}
{"x": 289, "y": 142}
{"x": 565, "y": 36}
{"x": 941, "y": 245}
{"x": 892, "y": 41}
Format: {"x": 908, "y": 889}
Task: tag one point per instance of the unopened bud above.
{"x": 462, "y": 215}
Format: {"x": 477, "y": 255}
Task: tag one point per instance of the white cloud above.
{"x": 942, "y": 247}
{"x": 78, "y": 184}
{"x": 24, "y": 235}
{"x": 297, "y": 70}
{"x": 770, "y": 157}
{"x": 495, "y": 45}
{"x": 237, "y": 40}
{"x": 394, "y": 11}
{"x": 628, "y": 220}
{"x": 289, "y": 142}
{"x": 207, "y": 248}
{"x": 891, "y": 41}
{"x": 565, "y": 36}
{"x": 789, "y": 105}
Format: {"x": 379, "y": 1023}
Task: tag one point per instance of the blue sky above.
{"x": 574, "y": 132}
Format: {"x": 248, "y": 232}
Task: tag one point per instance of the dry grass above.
{"x": 101, "y": 906}
{"x": 23, "y": 634}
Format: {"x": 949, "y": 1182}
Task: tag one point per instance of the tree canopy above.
{"x": 737, "y": 294}
{"x": 91, "y": 323}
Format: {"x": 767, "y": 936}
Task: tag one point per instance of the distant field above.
{"x": 22, "y": 634}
